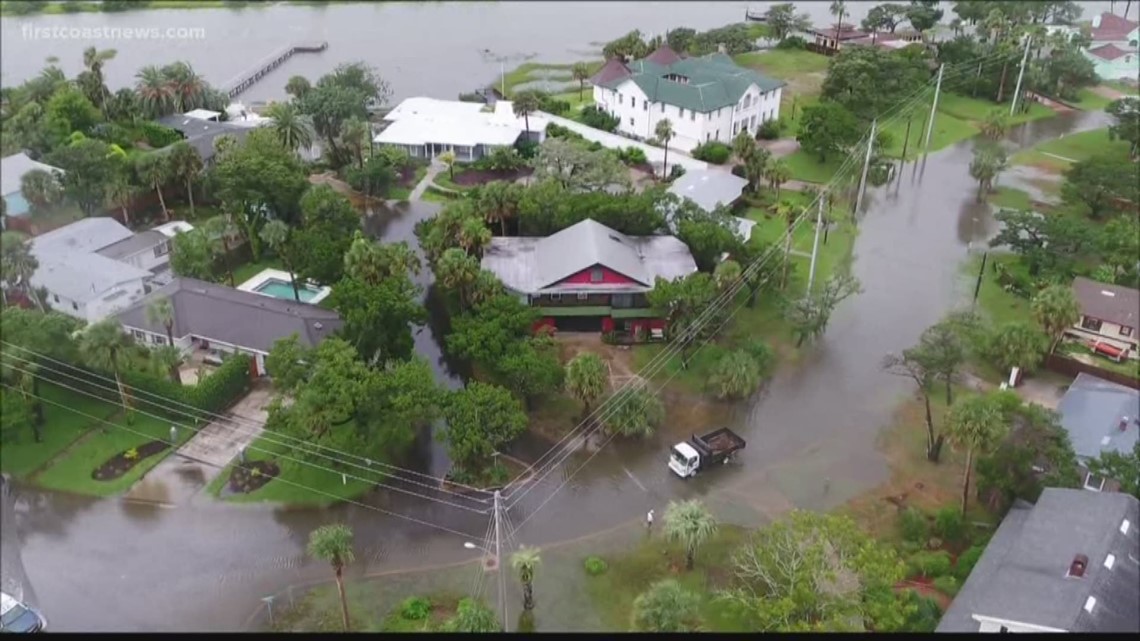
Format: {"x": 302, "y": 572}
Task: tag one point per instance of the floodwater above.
{"x": 108, "y": 565}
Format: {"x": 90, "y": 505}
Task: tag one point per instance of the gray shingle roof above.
{"x": 1112, "y": 303}
{"x": 134, "y": 244}
{"x": 1091, "y": 411}
{"x": 201, "y": 133}
{"x": 246, "y": 319}
{"x": 69, "y": 265}
{"x": 13, "y": 168}
{"x": 537, "y": 265}
{"x": 714, "y": 81}
{"x": 709, "y": 187}
{"x": 1021, "y": 576}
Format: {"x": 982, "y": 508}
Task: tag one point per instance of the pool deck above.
{"x": 266, "y": 275}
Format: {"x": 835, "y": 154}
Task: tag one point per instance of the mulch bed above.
{"x": 472, "y": 177}
{"x": 243, "y": 480}
{"x": 119, "y": 464}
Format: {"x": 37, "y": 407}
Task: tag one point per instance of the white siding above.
{"x": 117, "y": 298}
{"x": 150, "y": 258}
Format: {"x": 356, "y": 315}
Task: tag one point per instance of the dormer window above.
{"x": 677, "y": 78}
{"x": 596, "y": 275}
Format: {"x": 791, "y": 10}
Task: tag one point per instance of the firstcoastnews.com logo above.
{"x": 29, "y": 32}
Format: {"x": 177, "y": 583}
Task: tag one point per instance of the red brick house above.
{"x": 590, "y": 278}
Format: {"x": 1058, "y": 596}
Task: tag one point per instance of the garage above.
{"x": 579, "y": 323}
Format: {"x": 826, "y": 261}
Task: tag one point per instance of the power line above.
{"x": 275, "y": 454}
{"x": 279, "y": 439}
{"x": 437, "y": 526}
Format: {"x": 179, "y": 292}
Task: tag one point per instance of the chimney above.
{"x": 1077, "y": 567}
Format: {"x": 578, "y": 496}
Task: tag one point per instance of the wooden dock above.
{"x": 754, "y": 15}
{"x": 250, "y": 77}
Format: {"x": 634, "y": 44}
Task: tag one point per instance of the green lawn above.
{"x": 73, "y": 471}
{"x": 61, "y": 428}
{"x": 1010, "y": 198}
{"x": 433, "y": 195}
{"x": 1090, "y": 100}
{"x": 994, "y": 302}
{"x": 292, "y": 485}
{"x": 1056, "y": 155}
{"x": 400, "y": 192}
{"x": 784, "y": 64}
{"x": 249, "y": 270}
{"x": 630, "y": 573}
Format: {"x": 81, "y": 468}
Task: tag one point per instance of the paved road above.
{"x": 111, "y": 565}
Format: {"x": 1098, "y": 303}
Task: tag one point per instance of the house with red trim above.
{"x": 1109, "y": 318}
{"x": 590, "y": 278}
{"x": 1113, "y": 52}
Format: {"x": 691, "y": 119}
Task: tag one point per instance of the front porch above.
{"x": 615, "y": 324}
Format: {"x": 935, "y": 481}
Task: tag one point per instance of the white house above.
{"x": 705, "y": 98}
{"x": 12, "y": 170}
{"x": 427, "y": 127}
{"x": 1113, "y": 51}
{"x": 94, "y": 267}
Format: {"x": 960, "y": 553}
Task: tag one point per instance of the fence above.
{"x": 1072, "y": 367}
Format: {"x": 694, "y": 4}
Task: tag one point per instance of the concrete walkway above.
{"x": 184, "y": 473}
{"x": 421, "y": 187}
{"x": 656, "y": 155}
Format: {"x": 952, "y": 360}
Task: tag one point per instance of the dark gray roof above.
{"x": 133, "y": 244}
{"x": 201, "y": 133}
{"x": 1112, "y": 303}
{"x": 1021, "y": 577}
{"x": 245, "y": 319}
{"x": 1091, "y": 411}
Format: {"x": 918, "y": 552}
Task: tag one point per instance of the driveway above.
{"x": 179, "y": 478}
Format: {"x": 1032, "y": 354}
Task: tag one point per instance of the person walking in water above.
{"x": 649, "y": 522}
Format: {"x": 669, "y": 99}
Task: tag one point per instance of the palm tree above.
{"x": 839, "y": 10}
{"x": 743, "y": 146}
{"x": 996, "y": 124}
{"x": 166, "y": 359}
{"x": 154, "y": 169}
{"x": 187, "y": 88}
{"x": 185, "y": 163}
{"x": 220, "y": 229}
{"x": 526, "y": 103}
{"x": 790, "y": 214}
{"x": 586, "y": 379}
{"x": 298, "y": 86}
{"x": 120, "y": 192}
{"x": 690, "y": 523}
{"x": 93, "y": 60}
{"x": 40, "y": 188}
{"x": 664, "y": 133}
{"x": 726, "y": 274}
{"x": 333, "y": 544}
{"x": 975, "y": 423}
{"x": 18, "y": 264}
{"x": 293, "y": 128}
{"x": 354, "y": 135}
{"x": 474, "y": 236}
{"x": 778, "y": 174}
{"x": 457, "y": 271}
{"x": 499, "y": 201}
{"x": 104, "y": 346}
{"x": 161, "y": 312}
{"x": 988, "y": 163}
{"x": 275, "y": 233}
{"x": 524, "y": 562}
{"x": 1056, "y": 309}
{"x": 155, "y": 94}
{"x": 448, "y": 160}
{"x": 580, "y": 72}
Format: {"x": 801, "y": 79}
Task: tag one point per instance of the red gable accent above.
{"x": 1113, "y": 27}
{"x": 612, "y": 70}
{"x": 609, "y": 277}
{"x": 1109, "y": 52}
{"x": 664, "y": 56}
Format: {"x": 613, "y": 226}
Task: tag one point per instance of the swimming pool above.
{"x": 282, "y": 289}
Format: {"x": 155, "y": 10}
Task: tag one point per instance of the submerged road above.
{"x": 109, "y": 565}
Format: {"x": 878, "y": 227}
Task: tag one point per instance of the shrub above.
{"x": 792, "y": 42}
{"x": 471, "y": 97}
{"x": 949, "y": 525}
{"x": 930, "y": 564}
{"x": 554, "y": 106}
{"x": 415, "y": 608}
{"x": 738, "y": 171}
{"x": 595, "y": 566}
{"x": 595, "y": 146}
{"x": 555, "y": 130}
{"x": 933, "y": 543}
{"x": 967, "y": 560}
{"x": 763, "y": 355}
{"x": 527, "y": 148}
{"x": 593, "y": 117}
{"x": 504, "y": 159}
{"x": 218, "y": 390}
{"x": 925, "y": 616}
{"x": 770, "y": 129}
{"x": 912, "y": 525}
{"x": 633, "y": 156}
{"x": 947, "y": 585}
{"x": 131, "y": 454}
{"x": 676, "y": 171}
{"x": 714, "y": 152}
{"x": 158, "y": 136}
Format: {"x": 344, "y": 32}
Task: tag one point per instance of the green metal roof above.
{"x": 715, "y": 81}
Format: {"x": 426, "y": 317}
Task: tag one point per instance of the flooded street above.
{"x": 109, "y": 565}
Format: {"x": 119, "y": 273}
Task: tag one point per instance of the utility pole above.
{"x": 978, "y": 284}
{"x": 933, "y": 110}
{"x": 499, "y": 560}
{"x": 866, "y": 166}
{"x": 1020, "y": 75}
{"x": 815, "y": 242}
{"x": 906, "y": 139}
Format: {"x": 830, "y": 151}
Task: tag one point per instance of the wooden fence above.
{"x": 1071, "y": 367}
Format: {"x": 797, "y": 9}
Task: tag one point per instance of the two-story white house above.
{"x": 704, "y": 98}
{"x": 1114, "y": 49}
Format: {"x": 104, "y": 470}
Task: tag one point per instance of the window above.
{"x": 680, "y": 112}
{"x": 596, "y": 275}
{"x": 620, "y": 98}
{"x": 718, "y": 134}
{"x": 735, "y": 128}
{"x": 162, "y": 249}
{"x": 583, "y": 296}
{"x": 1003, "y": 629}
{"x": 1125, "y": 331}
{"x": 645, "y": 105}
{"x": 139, "y": 336}
{"x": 56, "y": 297}
{"x": 158, "y": 340}
{"x": 747, "y": 101}
{"x": 75, "y": 306}
{"x": 708, "y": 136}
{"x": 1093, "y": 482}
{"x": 752, "y": 122}
{"x": 1090, "y": 323}
{"x": 631, "y": 122}
{"x": 633, "y": 101}
{"x": 662, "y": 107}
{"x": 554, "y": 298}
{"x": 623, "y": 301}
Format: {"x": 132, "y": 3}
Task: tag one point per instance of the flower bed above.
{"x": 122, "y": 462}
{"x": 474, "y": 177}
{"x": 251, "y": 476}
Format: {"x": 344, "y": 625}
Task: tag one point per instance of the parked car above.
{"x": 19, "y": 617}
